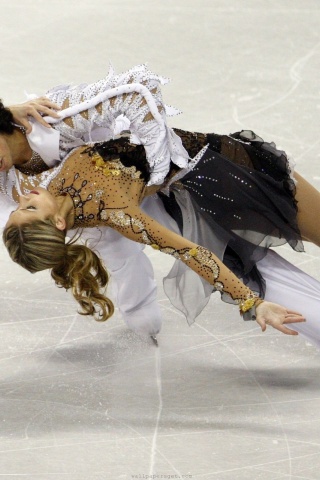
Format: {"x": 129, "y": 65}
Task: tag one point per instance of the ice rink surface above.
{"x": 219, "y": 400}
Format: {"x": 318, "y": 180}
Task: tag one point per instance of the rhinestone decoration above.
{"x": 134, "y": 96}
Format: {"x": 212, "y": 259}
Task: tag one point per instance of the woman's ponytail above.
{"x": 82, "y": 271}
{"x": 40, "y": 246}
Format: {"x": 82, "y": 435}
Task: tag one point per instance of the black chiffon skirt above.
{"x": 242, "y": 195}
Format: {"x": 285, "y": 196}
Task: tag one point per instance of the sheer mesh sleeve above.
{"x": 134, "y": 98}
{"x": 134, "y": 224}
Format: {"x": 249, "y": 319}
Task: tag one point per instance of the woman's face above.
{"x": 39, "y": 204}
{"x": 6, "y": 161}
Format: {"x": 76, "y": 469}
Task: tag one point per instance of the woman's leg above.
{"x": 308, "y": 216}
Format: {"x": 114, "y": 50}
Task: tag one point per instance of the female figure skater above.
{"x": 105, "y": 185}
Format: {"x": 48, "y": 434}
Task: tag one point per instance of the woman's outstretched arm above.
{"x": 134, "y": 224}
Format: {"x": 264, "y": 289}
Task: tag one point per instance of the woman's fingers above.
{"x": 45, "y": 106}
{"x": 293, "y": 312}
{"x": 46, "y": 102}
{"x": 285, "y": 330}
{"x": 278, "y": 317}
{"x": 34, "y": 113}
{"x": 296, "y": 319}
{"x": 262, "y": 324}
{"x": 36, "y": 109}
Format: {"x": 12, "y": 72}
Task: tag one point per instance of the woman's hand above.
{"x": 34, "y": 108}
{"x": 277, "y": 316}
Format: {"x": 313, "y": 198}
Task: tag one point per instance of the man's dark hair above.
{"x": 6, "y": 120}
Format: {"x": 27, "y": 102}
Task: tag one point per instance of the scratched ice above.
{"x": 219, "y": 400}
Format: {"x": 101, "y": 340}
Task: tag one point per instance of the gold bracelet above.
{"x": 246, "y": 305}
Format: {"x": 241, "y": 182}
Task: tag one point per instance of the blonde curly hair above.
{"x": 39, "y": 245}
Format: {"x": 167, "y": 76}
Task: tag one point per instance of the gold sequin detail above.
{"x": 113, "y": 167}
{"x": 200, "y": 254}
{"x": 251, "y": 301}
{"x": 245, "y": 305}
{"x": 204, "y": 257}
